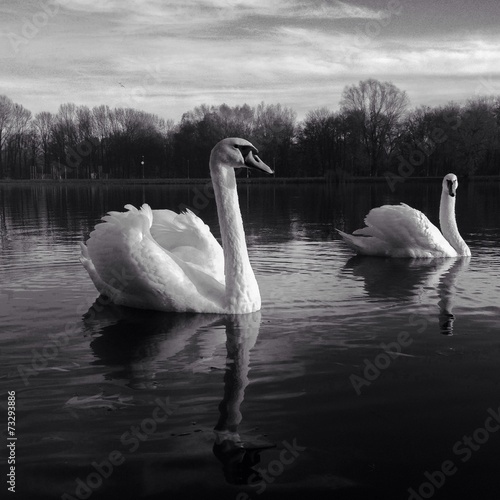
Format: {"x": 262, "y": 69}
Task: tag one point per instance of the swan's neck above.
{"x": 242, "y": 291}
{"x": 448, "y": 223}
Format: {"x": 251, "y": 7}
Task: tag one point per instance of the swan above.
{"x": 161, "y": 260}
{"x": 402, "y": 231}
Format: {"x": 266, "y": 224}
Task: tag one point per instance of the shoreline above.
{"x": 240, "y": 180}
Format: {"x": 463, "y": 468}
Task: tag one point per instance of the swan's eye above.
{"x": 244, "y": 149}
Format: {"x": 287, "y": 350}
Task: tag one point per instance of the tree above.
{"x": 318, "y": 142}
{"x": 101, "y": 116}
{"x": 6, "y": 106}
{"x": 478, "y": 133}
{"x": 376, "y": 109}
{"x": 18, "y": 140}
{"x": 420, "y": 136}
{"x": 205, "y": 125}
{"x": 372, "y": 130}
{"x": 274, "y": 133}
{"x": 42, "y": 127}
{"x": 65, "y": 139}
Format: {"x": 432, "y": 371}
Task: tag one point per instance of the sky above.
{"x": 167, "y": 57}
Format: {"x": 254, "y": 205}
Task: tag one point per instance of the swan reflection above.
{"x": 446, "y": 290}
{"x": 137, "y": 345}
{"x": 237, "y": 456}
{"x": 408, "y": 279}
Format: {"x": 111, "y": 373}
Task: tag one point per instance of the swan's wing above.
{"x": 188, "y": 237}
{"x": 400, "y": 231}
{"x": 128, "y": 265}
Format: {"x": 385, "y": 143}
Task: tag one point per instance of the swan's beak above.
{"x": 451, "y": 188}
{"x": 254, "y": 162}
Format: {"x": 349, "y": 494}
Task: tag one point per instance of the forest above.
{"x": 374, "y": 133}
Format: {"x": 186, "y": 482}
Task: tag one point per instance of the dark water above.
{"x": 360, "y": 377}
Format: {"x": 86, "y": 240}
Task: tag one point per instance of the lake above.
{"x": 359, "y": 378}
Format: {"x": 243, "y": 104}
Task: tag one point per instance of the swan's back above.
{"x": 399, "y": 231}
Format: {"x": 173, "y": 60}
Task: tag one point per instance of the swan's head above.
{"x": 234, "y": 152}
{"x": 450, "y": 184}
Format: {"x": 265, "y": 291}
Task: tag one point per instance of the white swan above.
{"x": 402, "y": 231}
{"x": 157, "y": 259}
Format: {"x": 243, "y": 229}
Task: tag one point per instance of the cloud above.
{"x": 443, "y": 58}
{"x": 290, "y": 8}
{"x": 97, "y": 6}
{"x": 172, "y": 56}
{"x": 205, "y": 14}
{"x": 339, "y": 10}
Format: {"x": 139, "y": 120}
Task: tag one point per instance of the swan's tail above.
{"x": 351, "y": 241}
{"x": 364, "y": 245}
{"x": 84, "y": 255}
{"x": 90, "y": 268}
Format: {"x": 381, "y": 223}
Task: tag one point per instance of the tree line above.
{"x": 373, "y": 133}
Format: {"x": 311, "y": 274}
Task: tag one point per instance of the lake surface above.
{"x": 359, "y": 378}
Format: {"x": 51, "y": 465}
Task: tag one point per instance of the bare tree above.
{"x": 17, "y": 140}
{"x": 274, "y": 132}
{"x": 478, "y": 134}
{"x": 371, "y": 130}
{"x": 6, "y": 106}
{"x": 317, "y": 140}
{"x": 376, "y": 108}
{"x": 42, "y": 126}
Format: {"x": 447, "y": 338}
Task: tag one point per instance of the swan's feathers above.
{"x": 171, "y": 230}
{"x": 126, "y": 262}
{"x": 188, "y": 237}
{"x": 399, "y": 231}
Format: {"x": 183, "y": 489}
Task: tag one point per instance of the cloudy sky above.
{"x": 167, "y": 57}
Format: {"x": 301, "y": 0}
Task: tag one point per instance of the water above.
{"x": 360, "y": 377}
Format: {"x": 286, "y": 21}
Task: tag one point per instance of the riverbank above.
{"x": 241, "y": 180}
{"x": 135, "y": 182}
